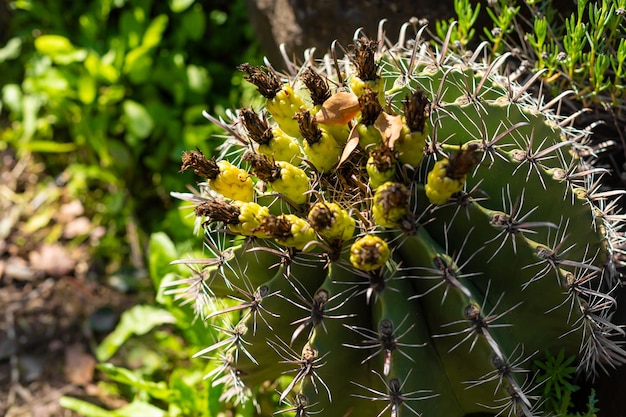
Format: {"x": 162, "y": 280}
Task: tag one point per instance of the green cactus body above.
{"x": 434, "y": 293}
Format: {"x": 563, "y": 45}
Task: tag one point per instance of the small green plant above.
{"x": 404, "y": 231}
{"x": 583, "y": 53}
{"x": 556, "y": 374}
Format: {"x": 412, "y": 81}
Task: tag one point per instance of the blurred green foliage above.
{"x": 109, "y": 93}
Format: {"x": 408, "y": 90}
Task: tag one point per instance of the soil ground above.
{"x": 54, "y": 304}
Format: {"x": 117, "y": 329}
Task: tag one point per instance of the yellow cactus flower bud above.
{"x": 410, "y": 147}
{"x": 232, "y": 182}
{"x": 448, "y": 175}
{"x": 390, "y": 206}
{"x": 369, "y": 253}
{"x": 293, "y": 183}
{"x": 299, "y": 234}
{"x": 331, "y": 221}
{"x": 282, "y": 147}
{"x": 380, "y": 167}
{"x": 251, "y": 216}
{"x": 369, "y": 136}
{"x": 283, "y": 107}
{"x": 439, "y": 188}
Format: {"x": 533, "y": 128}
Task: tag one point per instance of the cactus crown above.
{"x": 426, "y": 233}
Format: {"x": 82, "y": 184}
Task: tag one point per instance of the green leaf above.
{"x": 134, "y": 409}
{"x": 126, "y": 376}
{"x": 48, "y": 146}
{"x": 12, "y": 97}
{"x": 101, "y": 70}
{"x": 178, "y": 6}
{"x": 84, "y": 408}
{"x": 187, "y": 397}
{"x": 198, "y": 79}
{"x": 138, "y": 65}
{"x": 194, "y": 23}
{"x": 140, "y": 408}
{"x": 86, "y": 89}
{"x": 153, "y": 35}
{"x": 138, "y": 320}
{"x": 11, "y": 50}
{"x": 138, "y": 120}
{"x": 53, "y": 45}
{"x": 161, "y": 252}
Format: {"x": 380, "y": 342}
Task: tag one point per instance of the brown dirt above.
{"x": 49, "y": 292}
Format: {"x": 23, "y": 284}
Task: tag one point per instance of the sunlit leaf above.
{"x": 135, "y": 380}
{"x": 85, "y": 408}
{"x": 53, "y": 45}
{"x": 12, "y": 97}
{"x": 48, "y": 146}
{"x": 86, "y": 89}
{"x": 153, "y": 35}
{"x": 11, "y": 50}
{"x": 178, "y": 6}
{"x": 140, "y": 408}
{"x": 138, "y": 120}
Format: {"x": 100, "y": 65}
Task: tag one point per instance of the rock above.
{"x": 52, "y": 259}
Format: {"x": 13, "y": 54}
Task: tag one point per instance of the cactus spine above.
{"x": 421, "y": 263}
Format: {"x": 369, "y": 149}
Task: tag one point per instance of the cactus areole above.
{"x": 407, "y": 243}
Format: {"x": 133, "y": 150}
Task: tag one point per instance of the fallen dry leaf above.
{"x": 390, "y": 127}
{"x": 339, "y": 109}
{"x": 351, "y": 144}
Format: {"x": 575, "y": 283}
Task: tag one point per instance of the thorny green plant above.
{"x": 413, "y": 205}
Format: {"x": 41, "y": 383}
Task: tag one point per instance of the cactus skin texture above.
{"x": 433, "y": 293}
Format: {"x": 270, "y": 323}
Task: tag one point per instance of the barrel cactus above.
{"x": 408, "y": 230}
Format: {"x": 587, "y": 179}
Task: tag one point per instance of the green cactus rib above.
{"x": 430, "y": 289}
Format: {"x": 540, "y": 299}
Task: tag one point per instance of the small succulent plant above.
{"x": 408, "y": 230}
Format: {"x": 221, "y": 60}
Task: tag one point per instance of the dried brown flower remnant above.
{"x": 218, "y": 211}
{"x": 264, "y": 78}
{"x": 370, "y": 107}
{"x": 318, "y": 86}
{"x": 383, "y": 159}
{"x": 462, "y": 162}
{"x": 265, "y": 169}
{"x": 258, "y": 128}
{"x": 308, "y": 127}
{"x": 200, "y": 164}
{"x": 416, "y": 111}
{"x": 366, "y": 67}
{"x": 278, "y": 227}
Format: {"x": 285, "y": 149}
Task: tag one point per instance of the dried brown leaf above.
{"x": 339, "y": 109}
{"x": 351, "y": 144}
{"x": 390, "y": 127}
